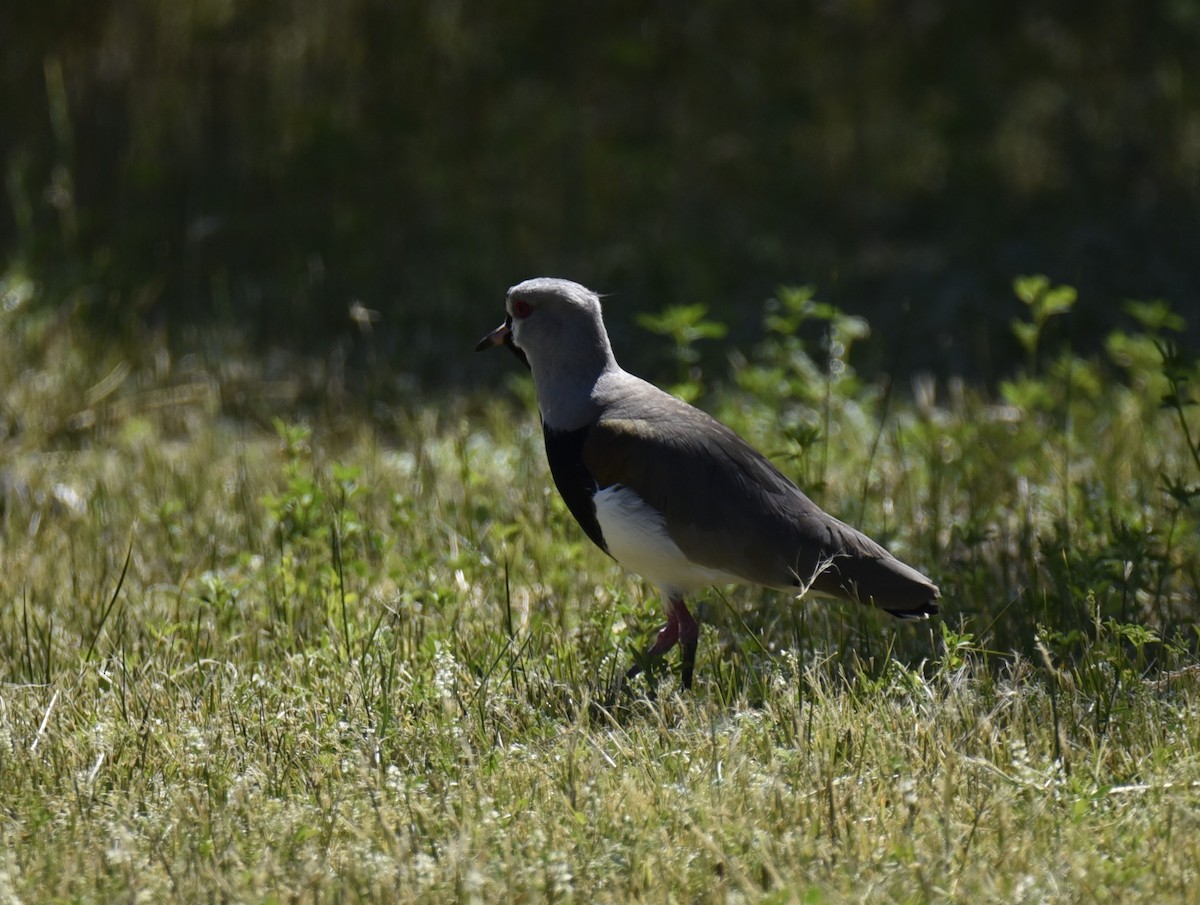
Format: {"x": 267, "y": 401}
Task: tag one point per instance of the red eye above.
{"x": 521, "y": 309}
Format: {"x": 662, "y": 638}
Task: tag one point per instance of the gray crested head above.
{"x": 559, "y": 327}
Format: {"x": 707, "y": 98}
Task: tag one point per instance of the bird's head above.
{"x": 553, "y": 326}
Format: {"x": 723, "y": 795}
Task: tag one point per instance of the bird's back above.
{"x": 729, "y": 509}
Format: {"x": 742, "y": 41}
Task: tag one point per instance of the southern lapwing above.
{"x": 672, "y": 494}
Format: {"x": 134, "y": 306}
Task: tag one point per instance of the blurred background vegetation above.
{"x": 266, "y": 165}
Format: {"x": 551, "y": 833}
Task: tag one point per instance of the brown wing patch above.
{"x": 725, "y": 505}
{"x": 728, "y": 508}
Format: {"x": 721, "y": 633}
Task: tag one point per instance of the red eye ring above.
{"x": 521, "y": 309}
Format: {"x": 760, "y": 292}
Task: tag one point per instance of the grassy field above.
{"x": 263, "y": 642}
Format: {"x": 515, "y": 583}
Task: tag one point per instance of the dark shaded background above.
{"x": 265, "y": 164}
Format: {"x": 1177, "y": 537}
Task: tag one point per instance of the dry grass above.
{"x": 373, "y": 661}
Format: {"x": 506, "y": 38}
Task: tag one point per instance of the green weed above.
{"x": 373, "y": 659}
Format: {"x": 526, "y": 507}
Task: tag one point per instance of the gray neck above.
{"x": 565, "y": 378}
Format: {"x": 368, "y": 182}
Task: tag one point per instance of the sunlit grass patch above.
{"x": 373, "y": 658}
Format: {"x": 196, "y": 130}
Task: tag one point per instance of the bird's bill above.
{"x": 502, "y": 335}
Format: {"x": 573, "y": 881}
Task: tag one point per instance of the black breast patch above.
{"x": 564, "y": 451}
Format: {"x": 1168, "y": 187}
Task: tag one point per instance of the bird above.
{"x": 672, "y": 494}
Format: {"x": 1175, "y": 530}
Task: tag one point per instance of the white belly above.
{"x": 636, "y": 536}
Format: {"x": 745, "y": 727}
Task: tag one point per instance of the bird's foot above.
{"x": 681, "y": 628}
{"x": 668, "y": 637}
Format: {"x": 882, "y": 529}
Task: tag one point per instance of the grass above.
{"x": 341, "y": 658}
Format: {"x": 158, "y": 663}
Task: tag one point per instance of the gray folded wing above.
{"x": 728, "y": 508}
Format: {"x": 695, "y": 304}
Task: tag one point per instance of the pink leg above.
{"x": 689, "y": 637}
{"x": 681, "y": 628}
